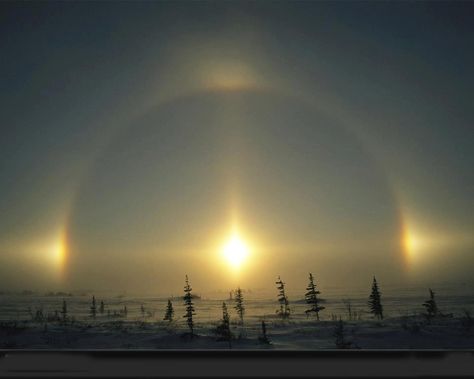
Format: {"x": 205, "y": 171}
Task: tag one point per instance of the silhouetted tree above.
{"x": 142, "y": 310}
{"x": 375, "y": 303}
{"x": 188, "y": 303}
{"x": 169, "y": 312}
{"x": 125, "y": 311}
{"x": 467, "y": 321}
{"x": 348, "y": 304}
{"x": 430, "y": 306}
{"x": 102, "y": 307}
{"x": 93, "y": 310}
{"x": 340, "y": 335}
{"x": 39, "y": 315}
{"x": 312, "y": 298}
{"x": 64, "y": 311}
{"x": 284, "y": 310}
{"x": 239, "y": 304}
{"x": 223, "y": 329}
{"x": 264, "y": 338}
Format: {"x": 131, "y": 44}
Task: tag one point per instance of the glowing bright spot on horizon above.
{"x": 235, "y": 251}
{"x": 57, "y": 251}
{"x": 228, "y": 75}
{"x": 411, "y": 242}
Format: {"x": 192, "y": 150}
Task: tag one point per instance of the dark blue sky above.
{"x": 370, "y": 96}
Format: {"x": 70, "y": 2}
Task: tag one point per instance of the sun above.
{"x": 235, "y": 251}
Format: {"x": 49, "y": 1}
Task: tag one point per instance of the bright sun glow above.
{"x": 235, "y": 251}
{"x": 411, "y": 242}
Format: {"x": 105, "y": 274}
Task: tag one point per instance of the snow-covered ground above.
{"x": 403, "y": 327}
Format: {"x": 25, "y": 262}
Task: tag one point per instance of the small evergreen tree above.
{"x": 142, "y": 310}
{"x": 125, "y": 311}
{"x": 64, "y": 311}
{"x": 264, "y": 338}
{"x": 39, "y": 316}
{"x": 340, "y": 335}
{"x": 93, "y": 310}
{"x": 311, "y": 297}
{"x": 169, "y": 312}
{"x": 284, "y": 310}
{"x": 188, "y": 303}
{"x": 467, "y": 321}
{"x": 223, "y": 330}
{"x": 375, "y": 303}
{"x": 239, "y": 304}
{"x": 102, "y": 307}
{"x": 430, "y": 306}
{"x": 348, "y": 304}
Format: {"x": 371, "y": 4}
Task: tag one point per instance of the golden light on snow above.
{"x": 235, "y": 251}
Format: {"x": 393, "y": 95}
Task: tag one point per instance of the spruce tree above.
{"x": 239, "y": 304}
{"x": 39, "y": 316}
{"x": 375, "y": 303}
{"x": 264, "y": 338}
{"x": 188, "y": 303}
{"x": 430, "y": 306}
{"x": 223, "y": 330}
{"x": 64, "y": 311}
{"x": 284, "y": 310}
{"x": 142, "y": 310}
{"x": 340, "y": 335}
{"x": 169, "y": 312}
{"x": 467, "y": 321}
{"x": 102, "y": 307}
{"x": 93, "y": 310}
{"x": 311, "y": 297}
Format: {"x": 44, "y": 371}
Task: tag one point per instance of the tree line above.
{"x": 223, "y": 331}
